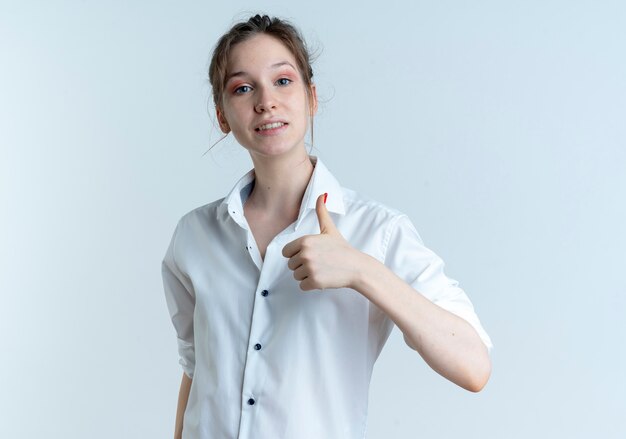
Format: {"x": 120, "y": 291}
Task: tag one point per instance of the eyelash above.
{"x": 236, "y": 91}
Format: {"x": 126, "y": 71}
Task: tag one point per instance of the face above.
{"x": 265, "y": 102}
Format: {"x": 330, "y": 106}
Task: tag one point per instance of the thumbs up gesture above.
{"x": 325, "y": 260}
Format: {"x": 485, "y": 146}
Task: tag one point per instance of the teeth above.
{"x": 269, "y": 126}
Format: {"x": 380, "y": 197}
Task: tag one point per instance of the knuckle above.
{"x": 314, "y": 278}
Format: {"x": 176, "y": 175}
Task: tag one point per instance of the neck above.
{"x": 280, "y": 183}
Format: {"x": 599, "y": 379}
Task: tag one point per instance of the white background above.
{"x": 498, "y": 127}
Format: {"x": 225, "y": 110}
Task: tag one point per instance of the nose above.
{"x": 265, "y": 100}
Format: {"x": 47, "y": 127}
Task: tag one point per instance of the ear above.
{"x": 313, "y": 103}
{"x": 222, "y": 120}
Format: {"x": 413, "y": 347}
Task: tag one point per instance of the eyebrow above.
{"x": 273, "y": 66}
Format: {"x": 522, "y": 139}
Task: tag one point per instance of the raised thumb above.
{"x": 324, "y": 218}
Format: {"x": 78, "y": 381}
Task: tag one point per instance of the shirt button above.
{"x": 257, "y": 346}
{"x": 251, "y": 401}
{"x": 264, "y": 293}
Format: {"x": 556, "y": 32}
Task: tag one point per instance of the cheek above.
{"x": 232, "y": 114}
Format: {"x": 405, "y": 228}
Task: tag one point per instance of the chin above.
{"x": 272, "y": 150}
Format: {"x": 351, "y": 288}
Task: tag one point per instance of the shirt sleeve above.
{"x": 420, "y": 267}
{"x": 180, "y": 299}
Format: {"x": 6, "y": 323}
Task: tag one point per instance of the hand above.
{"x": 323, "y": 261}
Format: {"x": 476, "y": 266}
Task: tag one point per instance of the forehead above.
{"x": 257, "y": 53}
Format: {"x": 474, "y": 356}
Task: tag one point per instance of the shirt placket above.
{"x": 256, "y": 365}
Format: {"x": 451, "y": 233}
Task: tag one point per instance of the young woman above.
{"x": 283, "y": 293}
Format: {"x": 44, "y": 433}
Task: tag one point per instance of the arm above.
{"x": 447, "y": 343}
{"x": 180, "y": 298}
{"x": 183, "y": 397}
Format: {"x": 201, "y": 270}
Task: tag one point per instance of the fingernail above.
{"x": 325, "y": 196}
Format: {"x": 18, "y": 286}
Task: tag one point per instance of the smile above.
{"x": 270, "y": 126}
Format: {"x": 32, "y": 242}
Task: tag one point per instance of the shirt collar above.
{"x": 322, "y": 180}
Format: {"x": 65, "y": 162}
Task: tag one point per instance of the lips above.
{"x": 270, "y": 124}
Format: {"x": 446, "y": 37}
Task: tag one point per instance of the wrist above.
{"x": 363, "y": 266}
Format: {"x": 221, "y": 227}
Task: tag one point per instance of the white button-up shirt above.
{"x": 268, "y": 360}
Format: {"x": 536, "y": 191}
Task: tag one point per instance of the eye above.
{"x": 242, "y": 89}
{"x": 284, "y": 81}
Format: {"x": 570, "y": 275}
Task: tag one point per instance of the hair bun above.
{"x": 261, "y": 21}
